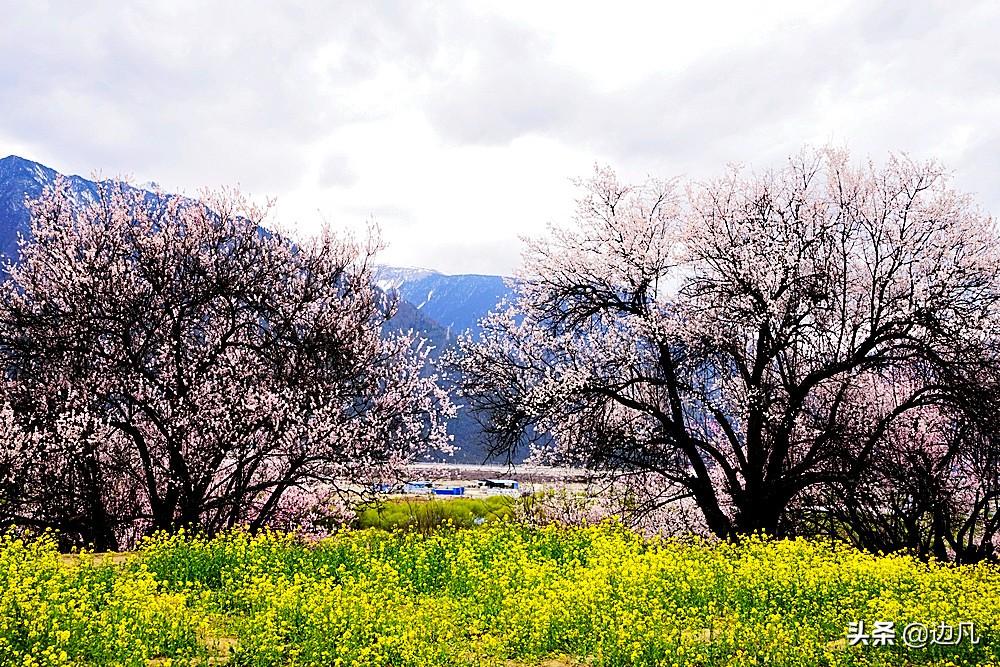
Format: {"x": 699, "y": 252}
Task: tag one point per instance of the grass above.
{"x": 426, "y": 515}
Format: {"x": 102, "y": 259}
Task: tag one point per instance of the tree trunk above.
{"x": 759, "y": 511}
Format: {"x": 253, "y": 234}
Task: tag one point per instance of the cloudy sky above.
{"x": 459, "y": 126}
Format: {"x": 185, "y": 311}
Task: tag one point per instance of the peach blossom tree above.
{"x": 215, "y": 365}
{"x": 721, "y": 338}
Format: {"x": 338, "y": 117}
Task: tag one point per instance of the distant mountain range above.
{"x": 455, "y": 302}
{"x": 438, "y": 306}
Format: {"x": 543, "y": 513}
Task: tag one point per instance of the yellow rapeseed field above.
{"x": 504, "y": 594}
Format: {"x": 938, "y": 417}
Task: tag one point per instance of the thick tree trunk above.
{"x": 102, "y": 534}
{"x": 715, "y": 518}
{"x": 760, "y": 510}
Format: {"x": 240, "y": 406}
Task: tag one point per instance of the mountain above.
{"x": 408, "y": 317}
{"x": 20, "y": 178}
{"x": 436, "y": 305}
{"x": 446, "y": 305}
{"x": 455, "y": 302}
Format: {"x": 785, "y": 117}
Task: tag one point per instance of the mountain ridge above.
{"x": 456, "y": 302}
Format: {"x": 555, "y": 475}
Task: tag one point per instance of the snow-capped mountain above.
{"x": 455, "y": 302}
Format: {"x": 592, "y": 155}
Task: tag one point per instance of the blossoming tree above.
{"x": 723, "y": 338}
{"x": 933, "y": 487}
{"x": 205, "y": 365}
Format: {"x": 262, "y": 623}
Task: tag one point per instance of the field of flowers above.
{"x": 502, "y": 594}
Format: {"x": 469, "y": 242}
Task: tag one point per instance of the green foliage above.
{"x": 504, "y": 594}
{"x": 425, "y": 515}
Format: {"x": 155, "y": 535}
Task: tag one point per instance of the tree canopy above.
{"x": 171, "y": 362}
{"x": 749, "y": 340}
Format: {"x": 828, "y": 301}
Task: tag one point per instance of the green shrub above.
{"x": 427, "y": 514}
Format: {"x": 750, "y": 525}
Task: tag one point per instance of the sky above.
{"x": 460, "y": 127}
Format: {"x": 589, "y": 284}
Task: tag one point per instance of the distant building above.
{"x": 420, "y": 486}
{"x": 500, "y": 484}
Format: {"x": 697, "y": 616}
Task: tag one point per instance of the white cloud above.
{"x": 458, "y": 126}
